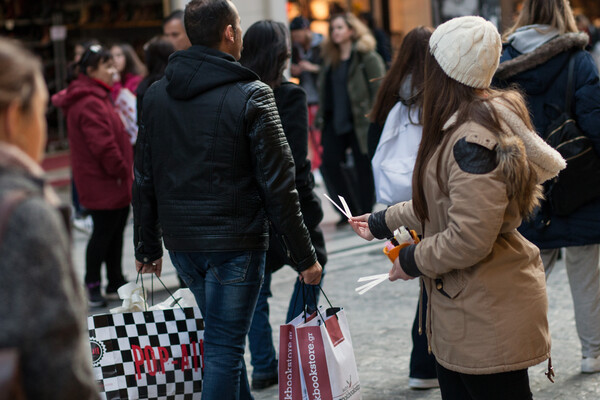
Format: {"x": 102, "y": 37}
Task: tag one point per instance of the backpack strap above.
{"x": 10, "y": 201}
{"x": 569, "y": 92}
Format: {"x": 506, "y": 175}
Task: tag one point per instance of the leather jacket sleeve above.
{"x": 274, "y": 171}
{"x": 146, "y": 233}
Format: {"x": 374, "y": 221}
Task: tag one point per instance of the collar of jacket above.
{"x": 197, "y": 51}
{"x": 542, "y": 54}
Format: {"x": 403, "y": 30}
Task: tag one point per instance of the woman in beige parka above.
{"x": 476, "y": 177}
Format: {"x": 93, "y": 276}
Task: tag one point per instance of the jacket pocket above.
{"x": 450, "y": 321}
{"x": 451, "y": 284}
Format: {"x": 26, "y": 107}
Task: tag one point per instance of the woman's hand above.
{"x": 360, "y": 225}
{"x": 398, "y": 273}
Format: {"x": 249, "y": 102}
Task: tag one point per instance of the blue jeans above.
{"x": 260, "y": 337}
{"x": 226, "y": 286}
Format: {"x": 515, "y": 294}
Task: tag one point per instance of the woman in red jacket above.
{"x": 102, "y": 162}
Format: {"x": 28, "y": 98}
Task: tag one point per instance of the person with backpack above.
{"x": 536, "y": 56}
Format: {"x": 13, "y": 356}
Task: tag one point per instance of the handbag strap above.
{"x": 569, "y": 92}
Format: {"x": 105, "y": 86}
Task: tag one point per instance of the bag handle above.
{"x": 141, "y": 278}
{"x": 569, "y": 91}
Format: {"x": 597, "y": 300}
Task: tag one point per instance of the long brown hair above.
{"x": 409, "y": 61}
{"x": 442, "y": 98}
{"x": 331, "y": 51}
{"x": 556, "y": 13}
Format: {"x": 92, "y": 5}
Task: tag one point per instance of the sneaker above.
{"x": 84, "y": 225}
{"x": 422, "y": 384}
{"x": 590, "y": 365}
{"x": 258, "y": 384}
{"x": 95, "y": 299}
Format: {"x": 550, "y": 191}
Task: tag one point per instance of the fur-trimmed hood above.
{"x": 541, "y": 55}
{"x": 365, "y": 44}
{"x": 525, "y": 159}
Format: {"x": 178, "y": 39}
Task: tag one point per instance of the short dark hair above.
{"x": 266, "y": 51}
{"x": 177, "y": 14}
{"x": 205, "y": 21}
{"x": 93, "y": 56}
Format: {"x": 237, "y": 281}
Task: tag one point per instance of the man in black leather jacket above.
{"x": 212, "y": 169}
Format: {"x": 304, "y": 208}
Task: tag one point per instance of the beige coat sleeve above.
{"x": 402, "y": 214}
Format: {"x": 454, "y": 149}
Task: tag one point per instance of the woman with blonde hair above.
{"x": 476, "y": 177}
{"x": 348, "y": 84}
{"x": 536, "y": 57}
{"x": 41, "y": 303}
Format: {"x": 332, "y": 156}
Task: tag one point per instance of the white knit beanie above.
{"x": 468, "y": 50}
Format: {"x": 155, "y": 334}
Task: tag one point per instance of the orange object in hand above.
{"x": 403, "y": 237}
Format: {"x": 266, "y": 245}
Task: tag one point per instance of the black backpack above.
{"x": 579, "y": 183}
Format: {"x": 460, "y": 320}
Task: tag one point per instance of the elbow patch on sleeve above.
{"x": 474, "y": 158}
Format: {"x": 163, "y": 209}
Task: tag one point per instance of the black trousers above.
{"x": 106, "y": 245}
{"x": 353, "y": 181}
{"x": 513, "y": 385}
{"x": 422, "y": 363}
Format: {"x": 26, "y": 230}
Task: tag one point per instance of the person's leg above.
{"x": 364, "y": 173}
{"x": 232, "y": 284}
{"x": 549, "y": 257}
{"x": 451, "y": 384}
{"x": 260, "y": 340}
{"x": 422, "y": 370}
{"x": 114, "y": 255}
{"x": 334, "y": 154}
{"x": 95, "y": 254}
{"x": 512, "y": 385}
{"x": 98, "y": 243}
{"x": 583, "y": 271}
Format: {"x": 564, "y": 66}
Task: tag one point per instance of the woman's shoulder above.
{"x": 289, "y": 93}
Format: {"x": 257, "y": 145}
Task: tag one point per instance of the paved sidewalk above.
{"x": 380, "y": 320}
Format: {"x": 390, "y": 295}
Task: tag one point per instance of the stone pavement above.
{"x": 380, "y": 320}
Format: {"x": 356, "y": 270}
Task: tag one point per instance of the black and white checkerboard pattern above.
{"x": 148, "y": 355}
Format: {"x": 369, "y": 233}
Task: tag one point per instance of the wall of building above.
{"x": 250, "y": 10}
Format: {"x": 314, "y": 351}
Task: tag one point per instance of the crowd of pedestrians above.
{"x": 215, "y": 150}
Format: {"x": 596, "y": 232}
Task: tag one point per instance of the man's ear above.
{"x": 230, "y": 34}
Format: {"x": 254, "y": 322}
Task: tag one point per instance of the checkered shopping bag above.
{"x": 149, "y": 354}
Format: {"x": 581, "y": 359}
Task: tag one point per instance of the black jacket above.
{"x": 212, "y": 164}
{"x": 292, "y": 107}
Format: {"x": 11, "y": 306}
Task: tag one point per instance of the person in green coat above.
{"x": 348, "y": 84}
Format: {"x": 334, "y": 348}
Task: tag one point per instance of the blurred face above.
{"x": 175, "y": 33}
{"x": 340, "y": 31}
{"x": 118, "y": 58}
{"x": 105, "y": 72}
{"x": 78, "y": 52}
{"x": 29, "y": 133}
{"x": 298, "y": 36}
